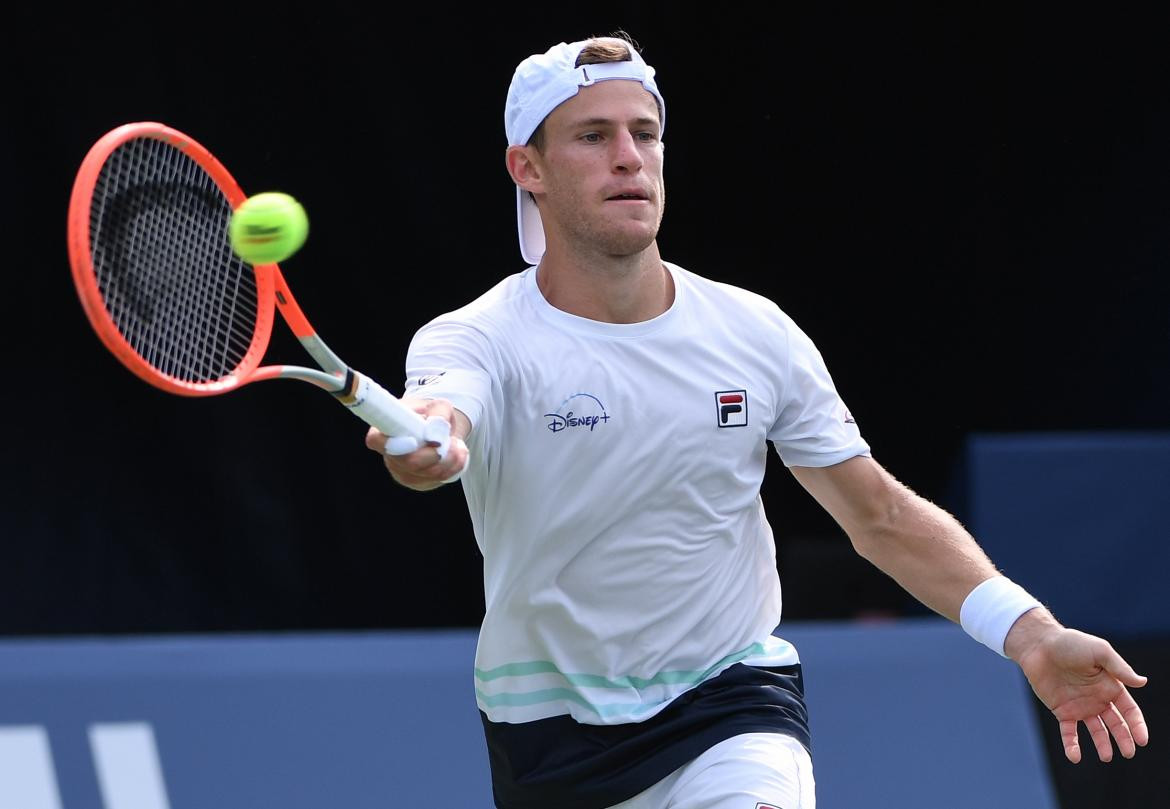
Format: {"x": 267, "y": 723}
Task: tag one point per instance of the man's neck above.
{"x": 609, "y": 289}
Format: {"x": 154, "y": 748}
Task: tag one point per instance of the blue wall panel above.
{"x": 1080, "y": 520}
{"x": 912, "y": 714}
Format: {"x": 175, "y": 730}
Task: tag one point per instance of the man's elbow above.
{"x": 882, "y": 521}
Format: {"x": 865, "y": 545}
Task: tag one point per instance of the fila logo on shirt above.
{"x": 731, "y": 408}
{"x": 766, "y": 806}
{"x": 581, "y": 410}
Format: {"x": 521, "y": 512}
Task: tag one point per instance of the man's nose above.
{"x": 626, "y": 156}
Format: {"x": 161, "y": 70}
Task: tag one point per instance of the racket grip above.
{"x": 377, "y": 407}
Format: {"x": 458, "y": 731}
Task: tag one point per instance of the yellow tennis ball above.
{"x": 268, "y": 228}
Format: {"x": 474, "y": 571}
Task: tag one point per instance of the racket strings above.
{"x": 171, "y": 284}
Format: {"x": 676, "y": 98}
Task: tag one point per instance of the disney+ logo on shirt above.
{"x": 588, "y": 411}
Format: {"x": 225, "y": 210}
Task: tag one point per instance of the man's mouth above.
{"x": 632, "y": 195}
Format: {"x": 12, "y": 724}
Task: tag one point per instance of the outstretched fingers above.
{"x": 1100, "y": 736}
{"x": 1134, "y": 719}
{"x": 1122, "y": 723}
{"x": 1070, "y": 740}
{"x": 1120, "y": 730}
{"x": 1123, "y": 717}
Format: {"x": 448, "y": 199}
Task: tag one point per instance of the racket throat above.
{"x": 325, "y": 356}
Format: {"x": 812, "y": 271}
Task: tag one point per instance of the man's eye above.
{"x": 591, "y": 137}
{"x": 646, "y": 137}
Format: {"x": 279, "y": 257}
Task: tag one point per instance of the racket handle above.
{"x": 377, "y": 407}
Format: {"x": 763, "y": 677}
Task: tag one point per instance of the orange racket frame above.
{"x": 362, "y": 395}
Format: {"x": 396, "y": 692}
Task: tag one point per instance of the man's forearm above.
{"x": 924, "y": 549}
{"x": 913, "y": 541}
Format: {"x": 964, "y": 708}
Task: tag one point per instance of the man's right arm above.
{"x": 423, "y": 469}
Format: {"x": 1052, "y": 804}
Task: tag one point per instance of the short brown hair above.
{"x": 613, "y": 48}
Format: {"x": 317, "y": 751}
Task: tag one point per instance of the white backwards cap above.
{"x": 543, "y": 82}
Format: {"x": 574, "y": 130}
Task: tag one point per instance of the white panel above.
{"x": 127, "y": 763}
{"x": 27, "y": 779}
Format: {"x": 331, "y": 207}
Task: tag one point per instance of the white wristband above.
{"x": 991, "y": 608}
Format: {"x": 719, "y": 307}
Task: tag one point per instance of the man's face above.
{"x": 601, "y": 170}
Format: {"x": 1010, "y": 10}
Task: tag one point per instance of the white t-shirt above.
{"x": 614, "y": 488}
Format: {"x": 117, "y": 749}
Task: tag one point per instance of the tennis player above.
{"x": 612, "y": 413}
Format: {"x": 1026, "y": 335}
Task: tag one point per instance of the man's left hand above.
{"x": 1081, "y": 679}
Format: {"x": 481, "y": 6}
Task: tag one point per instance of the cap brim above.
{"x": 530, "y": 226}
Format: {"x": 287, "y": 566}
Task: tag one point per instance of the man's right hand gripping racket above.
{"x": 160, "y": 284}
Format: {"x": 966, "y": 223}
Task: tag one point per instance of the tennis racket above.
{"x": 161, "y": 286}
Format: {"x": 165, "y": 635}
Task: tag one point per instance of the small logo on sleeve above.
{"x": 731, "y": 408}
{"x": 430, "y": 379}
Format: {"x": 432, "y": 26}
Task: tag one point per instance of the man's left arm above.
{"x": 922, "y": 547}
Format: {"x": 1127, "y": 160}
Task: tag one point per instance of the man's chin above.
{"x": 628, "y": 244}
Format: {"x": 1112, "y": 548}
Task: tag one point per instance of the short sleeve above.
{"x": 451, "y": 360}
{"x": 814, "y": 427}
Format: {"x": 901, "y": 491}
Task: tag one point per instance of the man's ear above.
{"x": 523, "y": 164}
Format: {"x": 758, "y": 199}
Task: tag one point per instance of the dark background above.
{"x": 966, "y": 210}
